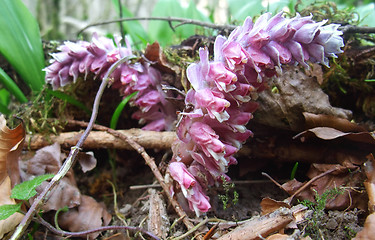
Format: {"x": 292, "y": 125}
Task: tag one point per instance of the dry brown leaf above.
{"x": 327, "y": 133}
{"x": 87, "y": 161}
{"x": 89, "y": 215}
{"x": 321, "y": 120}
{"x": 155, "y": 54}
{"x": 11, "y": 140}
{"x": 296, "y": 92}
{"x": 11, "y": 222}
{"x": 370, "y": 182}
{"x": 278, "y": 236}
{"x": 49, "y": 160}
{"x": 348, "y": 178}
{"x": 269, "y": 205}
{"x": 368, "y": 231}
{"x": 11, "y": 143}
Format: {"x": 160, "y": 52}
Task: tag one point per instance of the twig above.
{"x": 100, "y": 229}
{"x": 42, "y": 197}
{"x": 290, "y": 199}
{"x": 151, "y": 163}
{"x": 356, "y": 29}
{"x": 182, "y": 21}
{"x": 137, "y": 187}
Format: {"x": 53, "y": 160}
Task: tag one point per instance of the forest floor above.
{"x": 305, "y": 173}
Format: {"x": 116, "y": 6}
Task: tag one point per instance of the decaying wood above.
{"x": 103, "y": 139}
{"x": 261, "y": 227}
{"x": 158, "y": 222}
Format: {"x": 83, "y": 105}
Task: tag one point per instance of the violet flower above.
{"x": 82, "y": 59}
{"x": 225, "y": 88}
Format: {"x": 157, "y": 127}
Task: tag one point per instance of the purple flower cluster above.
{"x": 221, "y": 101}
{"x": 81, "y": 59}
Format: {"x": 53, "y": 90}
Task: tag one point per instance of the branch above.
{"x": 103, "y": 139}
{"x": 356, "y": 29}
{"x": 182, "y": 21}
{"x": 42, "y": 197}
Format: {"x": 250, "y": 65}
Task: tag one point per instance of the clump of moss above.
{"x": 329, "y": 11}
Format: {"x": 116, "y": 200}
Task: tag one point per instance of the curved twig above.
{"x": 43, "y": 196}
{"x": 100, "y": 229}
{"x": 182, "y": 21}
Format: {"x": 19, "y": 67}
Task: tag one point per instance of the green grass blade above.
{"x": 118, "y": 111}
{"x": 12, "y": 86}
{"x": 69, "y": 99}
{"x": 20, "y": 42}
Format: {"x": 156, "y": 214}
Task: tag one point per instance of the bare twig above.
{"x": 151, "y": 163}
{"x": 100, "y": 229}
{"x": 42, "y": 197}
{"x": 356, "y": 29}
{"x": 182, "y": 21}
{"x": 290, "y": 199}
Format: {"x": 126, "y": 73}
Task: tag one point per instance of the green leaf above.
{"x": 8, "y": 210}
{"x": 20, "y": 42}
{"x": 367, "y": 15}
{"x": 118, "y": 111}
{"x": 4, "y": 97}
{"x": 4, "y": 101}
{"x": 26, "y": 190}
{"x": 12, "y": 86}
{"x": 161, "y": 31}
{"x": 240, "y": 9}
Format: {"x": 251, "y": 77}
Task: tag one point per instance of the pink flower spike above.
{"x": 146, "y": 101}
{"x": 206, "y": 138}
{"x": 223, "y": 78}
{"x": 197, "y": 72}
{"x": 213, "y": 102}
{"x": 234, "y": 54}
{"x": 199, "y": 202}
{"x": 180, "y": 173}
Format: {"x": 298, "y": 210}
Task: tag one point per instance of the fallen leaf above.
{"x": 370, "y": 182}
{"x": 87, "y": 161}
{"x": 11, "y": 143}
{"x": 322, "y": 120}
{"x": 84, "y": 213}
{"x": 327, "y": 133}
{"x": 155, "y": 54}
{"x": 48, "y": 160}
{"x": 11, "y": 222}
{"x": 88, "y": 215}
{"x": 346, "y": 177}
{"x": 278, "y": 236}
{"x": 368, "y": 231}
{"x": 291, "y": 94}
{"x": 269, "y": 205}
